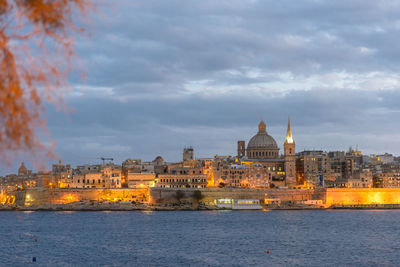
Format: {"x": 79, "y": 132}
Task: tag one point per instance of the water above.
{"x": 215, "y": 238}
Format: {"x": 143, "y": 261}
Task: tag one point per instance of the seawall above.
{"x": 330, "y": 197}
{"x": 362, "y": 196}
{"x": 41, "y": 196}
{"x": 159, "y": 195}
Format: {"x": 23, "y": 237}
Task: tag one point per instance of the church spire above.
{"x": 289, "y": 137}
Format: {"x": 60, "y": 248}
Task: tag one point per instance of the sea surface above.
{"x": 201, "y": 238}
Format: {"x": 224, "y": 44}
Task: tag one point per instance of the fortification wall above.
{"x": 362, "y": 196}
{"x": 210, "y": 194}
{"x": 62, "y": 196}
{"x": 330, "y": 196}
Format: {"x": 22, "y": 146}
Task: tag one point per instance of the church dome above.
{"x": 262, "y": 139}
{"x": 158, "y": 161}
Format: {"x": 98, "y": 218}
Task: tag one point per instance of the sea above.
{"x": 201, "y": 238}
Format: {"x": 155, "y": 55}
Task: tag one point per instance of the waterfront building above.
{"x": 129, "y": 166}
{"x": 387, "y": 180}
{"x": 104, "y": 176}
{"x": 181, "y": 181}
{"x": 141, "y": 180}
{"x": 62, "y": 174}
{"x": 246, "y": 175}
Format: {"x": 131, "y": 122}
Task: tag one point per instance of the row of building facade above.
{"x": 257, "y": 165}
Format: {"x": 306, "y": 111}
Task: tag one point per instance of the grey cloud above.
{"x": 171, "y": 42}
{"x": 143, "y": 58}
{"x": 146, "y": 128}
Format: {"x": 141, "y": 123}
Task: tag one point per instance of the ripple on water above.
{"x": 185, "y": 238}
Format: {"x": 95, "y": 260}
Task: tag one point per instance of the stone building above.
{"x": 312, "y": 166}
{"x": 182, "y": 181}
{"x": 261, "y": 146}
{"x": 97, "y": 176}
{"x": 361, "y": 179}
{"x": 62, "y": 174}
{"x": 141, "y": 180}
{"x": 263, "y": 150}
{"x": 387, "y": 180}
{"x": 246, "y": 175}
{"x": 188, "y": 153}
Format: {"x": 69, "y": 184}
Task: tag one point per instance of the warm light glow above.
{"x": 210, "y": 178}
{"x": 289, "y": 140}
{"x": 359, "y": 196}
{"x": 68, "y": 199}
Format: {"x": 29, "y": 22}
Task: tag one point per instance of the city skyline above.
{"x": 217, "y": 68}
{"x": 280, "y": 144}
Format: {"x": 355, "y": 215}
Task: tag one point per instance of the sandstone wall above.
{"x": 210, "y": 194}
{"x": 62, "y": 196}
{"x": 362, "y": 196}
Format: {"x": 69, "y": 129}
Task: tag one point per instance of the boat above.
{"x": 238, "y": 204}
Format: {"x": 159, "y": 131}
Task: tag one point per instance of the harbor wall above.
{"x": 159, "y": 195}
{"x": 362, "y": 196}
{"x": 40, "y": 196}
{"x": 329, "y": 196}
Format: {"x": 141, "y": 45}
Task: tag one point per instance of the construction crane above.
{"x": 104, "y": 159}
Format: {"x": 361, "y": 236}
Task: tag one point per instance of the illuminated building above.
{"x": 262, "y": 146}
{"x": 262, "y": 150}
{"x": 96, "y": 176}
{"x": 388, "y": 180}
{"x": 141, "y": 180}
{"x": 290, "y": 158}
{"x": 312, "y": 167}
{"x": 181, "y": 181}
{"x": 62, "y": 174}
{"x": 247, "y": 175}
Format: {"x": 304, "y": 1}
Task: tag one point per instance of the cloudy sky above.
{"x": 162, "y": 75}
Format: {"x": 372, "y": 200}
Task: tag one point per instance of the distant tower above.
{"x": 22, "y": 170}
{"x": 241, "y": 149}
{"x": 188, "y": 153}
{"x": 290, "y": 158}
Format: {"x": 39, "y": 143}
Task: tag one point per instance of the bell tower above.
{"x": 290, "y": 158}
{"x": 241, "y": 149}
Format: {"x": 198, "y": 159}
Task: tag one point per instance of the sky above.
{"x": 162, "y": 75}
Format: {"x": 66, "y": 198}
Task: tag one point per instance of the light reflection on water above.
{"x": 209, "y": 238}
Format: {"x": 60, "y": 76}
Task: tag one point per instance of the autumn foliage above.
{"x": 36, "y": 48}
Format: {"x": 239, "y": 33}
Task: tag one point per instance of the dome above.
{"x": 262, "y": 139}
{"x": 158, "y": 160}
{"x": 22, "y": 169}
